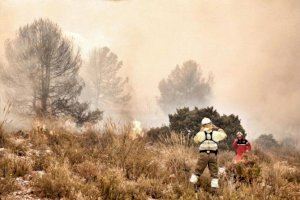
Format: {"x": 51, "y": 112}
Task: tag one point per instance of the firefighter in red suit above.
{"x": 241, "y": 146}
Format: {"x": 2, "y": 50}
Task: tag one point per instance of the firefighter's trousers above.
{"x": 210, "y": 160}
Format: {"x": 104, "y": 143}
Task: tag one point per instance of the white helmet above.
{"x": 239, "y": 133}
{"x": 205, "y": 120}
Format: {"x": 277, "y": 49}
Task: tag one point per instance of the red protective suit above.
{"x": 241, "y": 146}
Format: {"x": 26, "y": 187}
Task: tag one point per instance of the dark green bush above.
{"x": 188, "y": 122}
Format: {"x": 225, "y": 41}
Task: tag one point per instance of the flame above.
{"x": 136, "y": 130}
{"x": 39, "y": 125}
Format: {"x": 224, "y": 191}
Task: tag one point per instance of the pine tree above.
{"x": 185, "y": 86}
{"x": 43, "y": 74}
{"x": 110, "y": 88}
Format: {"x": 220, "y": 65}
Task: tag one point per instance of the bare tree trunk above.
{"x": 45, "y": 90}
{"x": 98, "y": 90}
{"x": 34, "y": 101}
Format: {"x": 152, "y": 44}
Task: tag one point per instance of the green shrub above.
{"x": 265, "y": 140}
{"x": 157, "y": 134}
{"x": 188, "y": 122}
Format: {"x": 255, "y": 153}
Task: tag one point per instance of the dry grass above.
{"x": 7, "y": 185}
{"x": 14, "y": 166}
{"x": 111, "y": 165}
{"x": 57, "y": 183}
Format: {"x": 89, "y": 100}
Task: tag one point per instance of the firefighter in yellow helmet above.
{"x": 208, "y": 138}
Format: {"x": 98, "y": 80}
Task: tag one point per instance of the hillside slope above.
{"x": 57, "y": 164}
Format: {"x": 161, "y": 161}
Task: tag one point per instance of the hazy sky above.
{"x": 251, "y": 47}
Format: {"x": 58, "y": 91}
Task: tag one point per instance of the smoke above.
{"x": 262, "y": 86}
{"x": 252, "y": 48}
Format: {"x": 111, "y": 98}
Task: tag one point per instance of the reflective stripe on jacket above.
{"x": 209, "y": 143}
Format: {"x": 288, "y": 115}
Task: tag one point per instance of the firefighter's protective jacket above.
{"x": 209, "y": 139}
{"x": 241, "y": 147}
